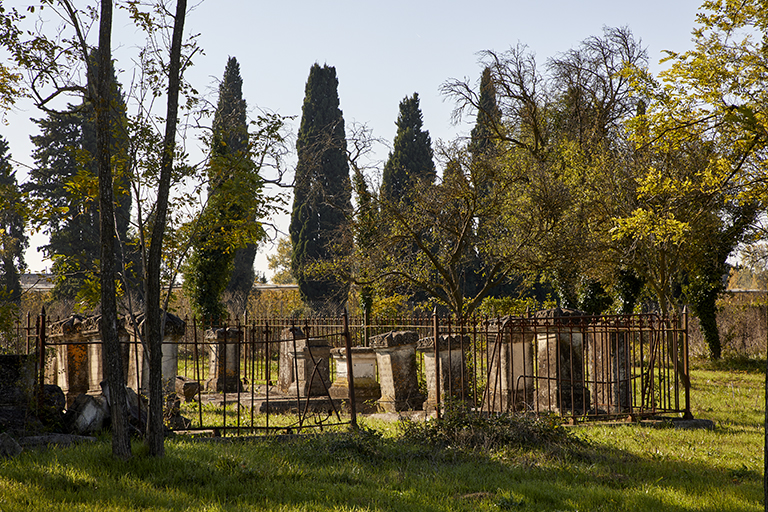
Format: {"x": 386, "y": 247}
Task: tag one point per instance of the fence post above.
{"x": 41, "y": 358}
{"x": 350, "y": 373}
{"x": 686, "y": 368}
{"x": 435, "y": 327}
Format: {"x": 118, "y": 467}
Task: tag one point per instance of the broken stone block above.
{"x": 187, "y": 388}
{"x": 87, "y": 415}
{"x": 398, "y": 375}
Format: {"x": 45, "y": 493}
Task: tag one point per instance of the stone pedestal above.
{"x": 560, "y": 355}
{"x": 223, "y": 360}
{"x": 609, "y": 365}
{"x": 367, "y": 389}
{"x": 304, "y": 364}
{"x": 139, "y": 380}
{"x": 453, "y": 372}
{"x": 510, "y": 385}
{"x": 398, "y": 375}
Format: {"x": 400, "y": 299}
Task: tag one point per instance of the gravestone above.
{"x": 304, "y": 364}
{"x": 367, "y": 390}
{"x": 223, "y": 360}
{"x": 398, "y": 375}
{"x": 453, "y": 370}
{"x": 510, "y": 384}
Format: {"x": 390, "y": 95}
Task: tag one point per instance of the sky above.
{"x": 382, "y": 52}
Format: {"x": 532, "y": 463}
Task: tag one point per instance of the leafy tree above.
{"x": 13, "y": 241}
{"x": 484, "y": 134}
{"x": 280, "y": 262}
{"x": 66, "y": 177}
{"x": 410, "y": 164}
{"x": 223, "y": 255}
{"x": 319, "y": 229}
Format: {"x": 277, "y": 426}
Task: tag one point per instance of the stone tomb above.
{"x": 367, "y": 389}
{"x": 609, "y": 366}
{"x": 453, "y": 372}
{"x": 398, "y": 375}
{"x": 223, "y": 360}
{"x": 173, "y": 333}
{"x": 561, "y": 341}
{"x": 510, "y": 359}
{"x": 304, "y": 364}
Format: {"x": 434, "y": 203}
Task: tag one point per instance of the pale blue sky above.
{"x": 382, "y": 52}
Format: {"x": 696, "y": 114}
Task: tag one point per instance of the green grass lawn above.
{"x": 589, "y": 468}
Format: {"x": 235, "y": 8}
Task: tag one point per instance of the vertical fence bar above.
{"x": 686, "y": 368}
{"x": 435, "y": 326}
{"x": 41, "y": 359}
{"x": 350, "y": 372}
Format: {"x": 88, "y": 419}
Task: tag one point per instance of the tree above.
{"x": 410, "y": 164}
{"x": 66, "y": 178}
{"x": 13, "y": 241}
{"x": 220, "y": 264}
{"x": 280, "y": 262}
{"x": 319, "y": 229}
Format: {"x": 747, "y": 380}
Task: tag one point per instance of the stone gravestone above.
{"x": 453, "y": 370}
{"x": 510, "y": 346}
{"x": 560, "y": 339}
{"x": 398, "y": 375}
{"x": 367, "y": 390}
{"x": 172, "y": 334}
{"x": 223, "y": 360}
{"x": 304, "y": 364}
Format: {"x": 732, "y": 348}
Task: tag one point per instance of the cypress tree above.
{"x": 222, "y": 260}
{"x": 320, "y": 231}
{"x": 410, "y": 161}
{"x": 488, "y": 118}
{"x": 13, "y": 241}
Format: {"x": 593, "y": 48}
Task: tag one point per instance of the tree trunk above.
{"x": 111, "y": 357}
{"x": 153, "y": 327}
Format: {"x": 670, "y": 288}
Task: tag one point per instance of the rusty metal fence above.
{"x": 270, "y": 374}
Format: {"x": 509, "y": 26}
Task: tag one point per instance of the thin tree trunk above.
{"x": 153, "y": 326}
{"x": 111, "y": 357}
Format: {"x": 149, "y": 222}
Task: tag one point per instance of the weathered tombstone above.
{"x": 510, "y": 384}
{"x": 138, "y": 360}
{"x": 398, "y": 374}
{"x": 367, "y": 390}
{"x": 187, "y": 388}
{"x": 223, "y": 360}
{"x": 68, "y": 366}
{"x": 560, "y": 339}
{"x": 609, "y": 365}
{"x": 304, "y": 364}
{"x": 453, "y": 371}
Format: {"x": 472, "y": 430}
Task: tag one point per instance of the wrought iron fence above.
{"x": 266, "y": 374}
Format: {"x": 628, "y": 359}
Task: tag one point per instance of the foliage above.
{"x": 461, "y": 429}
{"x": 13, "y": 240}
{"x": 319, "y": 229}
{"x": 280, "y": 262}
{"x": 410, "y": 164}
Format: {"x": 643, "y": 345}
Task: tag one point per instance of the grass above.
{"x": 585, "y": 468}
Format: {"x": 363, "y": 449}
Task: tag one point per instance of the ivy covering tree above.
{"x": 228, "y": 229}
{"x": 64, "y": 184}
{"x": 13, "y": 241}
{"x": 411, "y": 161}
{"x": 320, "y": 226}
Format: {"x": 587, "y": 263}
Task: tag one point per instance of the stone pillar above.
{"x": 139, "y": 380}
{"x": 70, "y": 367}
{"x": 453, "y": 371}
{"x": 510, "y": 384}
{"x": 223, "y": 360}
{"x": 560, "y": 339}
{"x": 367, "y": 390}
{"x": 609, "y": 365}
{"x": 398, "y": 374}
{"x": 307, "y": 367}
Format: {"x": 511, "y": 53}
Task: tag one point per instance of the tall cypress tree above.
{"x": 488, "y": 118}
{"x": 410, "y": 161}
{"x": 222, "y": 261}
{"x": 64, "y": 154}
{"x": 13, "y": 241}
{"x": 320, "y": 231}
